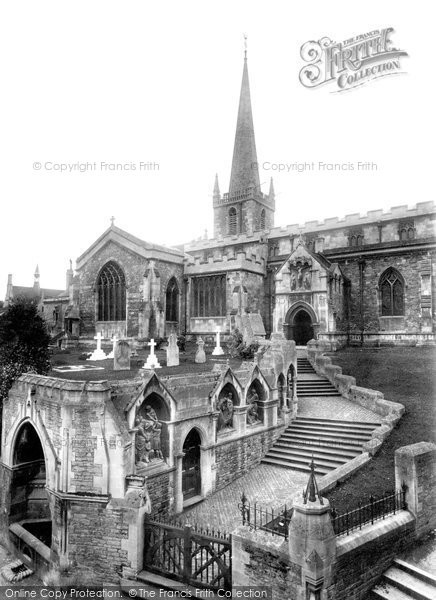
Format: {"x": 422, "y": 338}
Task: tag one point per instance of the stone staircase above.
{"x": 330, "y": 442}
{"x": 311, "y": 384}
{"x": 403, "y": 581}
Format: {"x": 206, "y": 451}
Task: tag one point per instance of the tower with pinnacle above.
{"x": 245, "y": 208}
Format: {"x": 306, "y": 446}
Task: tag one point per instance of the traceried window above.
{"x": 232, "y": 221}
{"x": 209, "y": 296}
{"x": 392, "y": 293}
{"x": 262, "y": 219}
{"x": 111, "y": 288}
{"x": 172, "y": 300}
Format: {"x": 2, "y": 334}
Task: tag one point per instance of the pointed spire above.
{"x": 216, "y": 189}
{"x": 271, "y": 194}
{"x": 36, "y": 274}
{"x": 312, "y": 490}
{"x": 245, "y": 171}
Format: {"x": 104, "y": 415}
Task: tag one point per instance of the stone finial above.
{"x": 312, "y": 490}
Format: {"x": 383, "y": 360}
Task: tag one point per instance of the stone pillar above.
{"x": 312, "y": 541}
{"x": 178, "y": 499}
{"x": 240, "y": 419}
{"x": 415, "y": 466}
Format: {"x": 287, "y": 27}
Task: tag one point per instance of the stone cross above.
{"x": 98, "y": 337}
{"x": 152, "y": 361}
{"x": 98, "y": 353}
{"x": 217, "y": 351}
{"x": 114, "y": 341}
{"x": 152, "y": 345}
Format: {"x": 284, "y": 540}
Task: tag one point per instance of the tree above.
{"x": 23, "y": 344}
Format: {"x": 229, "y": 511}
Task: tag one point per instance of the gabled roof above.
{"x": 132, "y": 243}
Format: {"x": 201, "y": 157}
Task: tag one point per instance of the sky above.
{"x": 155, "y": 86}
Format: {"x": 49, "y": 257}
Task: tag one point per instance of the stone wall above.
{"x": 237, "y": 457}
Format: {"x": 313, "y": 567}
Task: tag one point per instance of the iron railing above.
{"x": 377, "y": 508}
{"x": 273, "y": 520}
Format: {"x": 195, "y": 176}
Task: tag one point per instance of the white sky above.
{"x": 133, "y": 81}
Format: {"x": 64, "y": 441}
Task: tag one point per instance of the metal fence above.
{"x": 377, "y": 508}
{"x": 275, "y": 521}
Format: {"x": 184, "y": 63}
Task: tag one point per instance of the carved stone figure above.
{"x": 307, "y": 279}
{"x": 153, "y": 424}
{"x": 225, "y": 406}
{"x": 300, "y": 276}
{"x": 142, "y": 442}
{"x": 293, "y": 281}
{"x": 252, "y": 410}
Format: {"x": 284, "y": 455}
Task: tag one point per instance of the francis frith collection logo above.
{"x": 350, "y": 63}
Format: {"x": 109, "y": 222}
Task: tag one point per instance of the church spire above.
{"x": 245, "y": 172}
{"x": 216, "y": 189}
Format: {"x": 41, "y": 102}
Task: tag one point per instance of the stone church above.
{"x": 358, "y": 280}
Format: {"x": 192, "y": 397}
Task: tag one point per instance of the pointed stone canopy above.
{"x": 216, "y": 188}
{"x": 245, "y": 171}
{"x": 312, "y": 490}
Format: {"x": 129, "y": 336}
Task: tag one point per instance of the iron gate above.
{"x": 188, "y": 554}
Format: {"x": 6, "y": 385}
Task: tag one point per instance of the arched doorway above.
{"x": 29, "y": 498}
{"x": 302, "y": 327}
{"x": 191, "y": 471}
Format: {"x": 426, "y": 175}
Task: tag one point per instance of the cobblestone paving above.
{"x": 270, "y": 486}
{"x": 338, "y": 408}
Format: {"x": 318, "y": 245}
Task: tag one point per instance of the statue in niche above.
{"x": 252, "y": 410}
{"x": 293, "y": 281}
{"x": 153, "y": 424}
{"x": 307, "y": 279}
{"x": 225, "y": 407}
{"x": 300, "y": 276}
{"x": 142, "y": 441}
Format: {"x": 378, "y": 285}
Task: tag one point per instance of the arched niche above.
{"x": 228, "y": 398}
{"x": 152, "y": 442}
{"x": 191, "y": 465}
{"x": 254, "y": 399}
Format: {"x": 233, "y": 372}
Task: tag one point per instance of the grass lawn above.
{"x": 187, "y": 364}
{"x": 405, "y": 375}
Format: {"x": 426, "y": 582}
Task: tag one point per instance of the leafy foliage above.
{"x": 23, "y": 343}
{"x": 238, "y": 348}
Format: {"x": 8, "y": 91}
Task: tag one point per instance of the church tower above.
{"x": 244, "y": 209}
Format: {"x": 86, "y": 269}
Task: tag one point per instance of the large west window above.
{"x": 209, "y": 296}
{"x": 392, "y": 293}
{"x": 111, "y": 287}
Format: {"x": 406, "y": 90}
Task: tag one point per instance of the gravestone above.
{"x": 152, "y": 361}
{"x": 114, "y": 343}
{"x": 172, "y": 351}
{"x": 218, "y": 351}
{"x": 200, "y": 356}
{"x": 98, "y": 353}
{"x": 122, "y": 354}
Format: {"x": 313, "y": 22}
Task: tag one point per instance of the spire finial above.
{"x": 245, "y": 46}
{"x": 112, "y": 221}
{"x": 312, "y": 490}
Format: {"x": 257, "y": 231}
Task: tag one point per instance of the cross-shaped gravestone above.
{"x": 152, "y": 361}
{"x": 114, "y": 341}
{"x": 98, "y": 353}
{"x": 218, "y": 351}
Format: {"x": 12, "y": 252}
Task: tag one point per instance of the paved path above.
{"x": 338, "y": 408}
{"x": 270, "y": 486}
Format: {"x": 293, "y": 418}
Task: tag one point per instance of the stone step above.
{"x": 331, "y": 463}
{"x": 315, "y": 394}
{"x": 295, "y": 466}
{"x": 325, "y": 434}
{"x": 338, "y": 422}
{"x": 410, "y": 584}
{"x": 325, "y": 442}
{"x": 416, "y": 571}
{"x": 385, "y": 591}
{"x": 308, "y": 450}
{"x": 297, "y": 426}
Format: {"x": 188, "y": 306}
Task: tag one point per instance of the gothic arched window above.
{"x": 232, "y": 221}
{"x": 111, "y": 286}
{"x": 172, "y": 301}
{"x": 392, "y": 293}
{"x": 262, "y": 219}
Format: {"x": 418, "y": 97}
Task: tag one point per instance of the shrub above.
{"x": 238, "y": 348}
